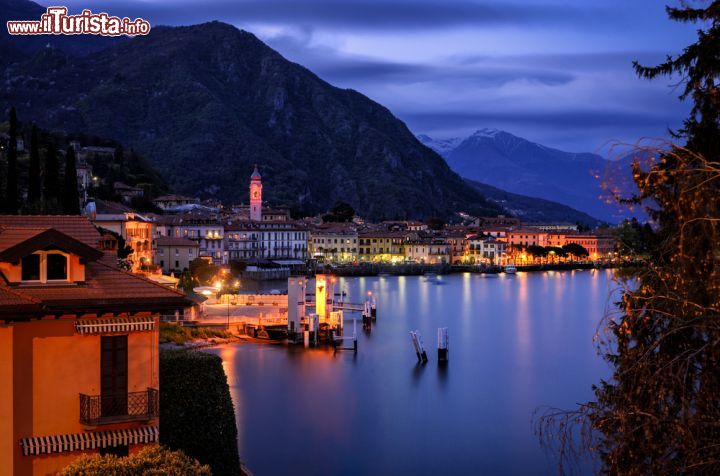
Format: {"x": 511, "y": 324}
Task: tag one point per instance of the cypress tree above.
{"x": 70, "y": 199}
{"x": 34, "y": 169}
{"x": 11, "y": 190}
{"x": 660, "y": 411}
{"x": 51, "y": 178}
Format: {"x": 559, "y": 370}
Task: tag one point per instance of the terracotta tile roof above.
{"x": 106, "y": 289}
{"x": 175, "y": 241}
{"x": 78, "y": 227}
{"x": 16, "y": 243}
{"x": 105, "y": 207}
{"x": 10, "y": 237}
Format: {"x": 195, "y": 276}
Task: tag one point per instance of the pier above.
{"x": 298, "y": 317}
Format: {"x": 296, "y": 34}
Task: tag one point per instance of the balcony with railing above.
{"x": 133, "y": 406}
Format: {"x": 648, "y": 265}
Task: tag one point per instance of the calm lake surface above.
{"x": 516, "y": 343}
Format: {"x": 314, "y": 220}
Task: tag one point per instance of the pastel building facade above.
{"x": 78, "y": 347}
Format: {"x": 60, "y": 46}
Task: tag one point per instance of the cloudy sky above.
{"x": 556, "y": 72}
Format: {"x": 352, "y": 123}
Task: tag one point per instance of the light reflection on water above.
{"x": 516, "y": 343}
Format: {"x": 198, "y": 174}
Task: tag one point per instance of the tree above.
{"x": 186, "y": 282}
{"x": 203, "y": 271}
{"x": 435, "y": 223}
{"x": 71, "y": 199}
{"x": 33, "y": 196}
{"x": 537, "y": 251}
{"x": 659, "y": 413}
{"x": 631, "y": 238}
{"x": 575, "y": 250}
{"x": 150, "y": 460}
{"x": 11, "y": 189}
{"x": 340, "y": 212}
{"x": 51, "y": 178}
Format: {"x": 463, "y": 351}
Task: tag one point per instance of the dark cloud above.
{"x": 393, "y": 15}
{"x": 565, "y": 119}
{"x": 334, "y": 66}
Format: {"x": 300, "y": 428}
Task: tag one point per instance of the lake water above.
{"x": 516, "y": 343}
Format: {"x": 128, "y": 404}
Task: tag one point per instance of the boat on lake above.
{"x": 510, "y": 269}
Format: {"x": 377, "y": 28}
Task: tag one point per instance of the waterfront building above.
{"x": 174, "y": 254}
{"x": 334, "y": 243}
{"x": 271, "y": 240}
{"x": 486, "y": 249}
{"x": 283, "y": 240}
{"x": 456, "y": 240}
{"x": 526, "y": 237}
{"x": 376, "y": 244}
{"x": 598, "y": 246}
{"x": 427, "y": 251}
{"x": 242, "y": 241}
{"x": 137, "y": 230}
{"x": 78, "y": 347}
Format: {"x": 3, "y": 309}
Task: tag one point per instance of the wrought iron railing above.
{"x": 133, "y": 406}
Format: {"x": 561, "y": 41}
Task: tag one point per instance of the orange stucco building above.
{"x": 78, "y": 347}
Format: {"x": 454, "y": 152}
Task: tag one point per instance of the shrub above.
{"x": 196, "y": 411}
{"x": 150, "y": 461}
{"x": 179, "y": 335}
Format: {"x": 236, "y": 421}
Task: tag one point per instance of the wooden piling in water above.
{"x": 443, "y": 344}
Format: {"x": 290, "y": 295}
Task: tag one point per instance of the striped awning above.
{"x": 114, "y": 324}
{"x": 37, "y": 445}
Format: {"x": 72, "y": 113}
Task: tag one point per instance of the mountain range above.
{"x": 511, "y": 163}
{"x": 203, "y": 103}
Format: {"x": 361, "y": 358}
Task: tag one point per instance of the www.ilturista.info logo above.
{"x": 56, "y": 21}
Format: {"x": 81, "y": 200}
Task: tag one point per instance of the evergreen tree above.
{"x": 70, "y": 199}
{"x": 51, "y": 178}
{"x": 34, "y": 169}
{"x": 11, "y": 189}
{"x": 660, "y": 411}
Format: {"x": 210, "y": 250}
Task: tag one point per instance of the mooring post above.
{"x": 443, "y": 344}
{"x": 418, "y": 345}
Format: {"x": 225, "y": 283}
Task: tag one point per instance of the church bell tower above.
{"x": 255, "y": 196}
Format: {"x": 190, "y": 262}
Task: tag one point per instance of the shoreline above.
{"x": 417, "y": 270}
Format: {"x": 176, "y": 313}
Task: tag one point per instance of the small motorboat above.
{"x": 510, "y": 269}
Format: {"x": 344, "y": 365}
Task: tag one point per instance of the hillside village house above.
{"x": 201, "y": 227}
{"x": 137, "y": 230}
{"x": 174, "y": 255}
{"x": 78, "y": 347}
{"x": 170, "y": 202}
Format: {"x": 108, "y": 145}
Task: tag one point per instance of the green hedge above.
{"x": 196, "y": 411}
{"x": 153, "y": 460}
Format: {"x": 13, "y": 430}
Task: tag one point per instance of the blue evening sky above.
{"x": 556, "y": 72}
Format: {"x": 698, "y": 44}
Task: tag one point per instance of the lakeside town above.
{"x": 270, "y": 244}
{"x": 363, "y": 238}
{"x": 120, "y": 293}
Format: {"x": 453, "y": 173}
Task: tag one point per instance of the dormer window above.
{"x": 45, "y": 266}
